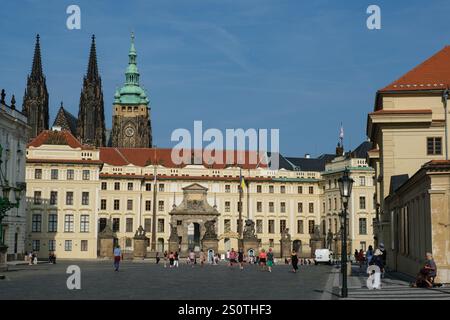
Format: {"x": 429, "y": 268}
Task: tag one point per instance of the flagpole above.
{"x": 240, "y": 210}
{"x": 153, "y": 248}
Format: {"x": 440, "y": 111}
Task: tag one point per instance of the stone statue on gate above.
{"x": 140, "y": 232}
{"x": 173, "y": 233}
{"x": 210, "y": 232}
{"x": 329, "y": 239}
{"x": 285, "y": 236}
{"x": 249, "y": 229}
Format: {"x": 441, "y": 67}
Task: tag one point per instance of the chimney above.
{"x": 307, "y": 156}
{"x": 339, "y": 150}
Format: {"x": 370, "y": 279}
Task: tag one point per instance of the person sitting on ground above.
{"x": 426, "y": 275}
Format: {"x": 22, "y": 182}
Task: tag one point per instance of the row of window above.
{"x": 362, "y": 227}
{"x": 259, "y": 207}
{"x": 334, "y": 183}
{"x": 52, "y": 226}
{"x": 37, "y": 198}
{"x": 362, "y": 203}
{"x": 55, "y": 174}
{"x": 129, "y": 225}
{"x": 68, "y": 245}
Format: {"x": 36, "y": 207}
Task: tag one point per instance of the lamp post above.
{"x": 345, "y": 188}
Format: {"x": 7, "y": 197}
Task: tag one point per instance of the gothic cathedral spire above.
{"x": 91, "y": 116}
{"x": 131, "y": 111}
{"x": 35, "y": 99}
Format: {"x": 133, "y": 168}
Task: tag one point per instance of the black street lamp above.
{"x": 345, "y": 188}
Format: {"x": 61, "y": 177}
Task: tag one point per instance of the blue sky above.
{"x": 300, "y": 66}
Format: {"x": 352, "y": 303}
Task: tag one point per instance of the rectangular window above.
{"x": 311, "y": 190}
{"x": 84, "y": 245}
{"x": 227, "y": 206}
{"x": 300, "y": 227}
{"x": 311, "y": 207}
{"x": 116, "y": 185}
{"x": 362, "y": 245}
{"x": 85, "y": 198}
{"x": 283, "y": 189}
{"x": 300, "y": 207}
{"x": 53, "y": 197}
{"x": 38, "y": 174}
{"x": 130, "y": 186}
{"x": 36, "y": 245}
{"x": 227, "y": 188}
{"x": 68, "y": 245}
{"x": 282, "y": 225}
{"x": 161, "y": 205}
{"x": 329, "y": 203}
{"x": 434, "y": 146}
{"x": 68, "y": 223}
{"x": 362, "y": 181}
{"x": 148, "y": 187}
{"x": 271, "y": 207}
{"x": 271, "y": 243}
{"x": 148, "y": 225}
{"x": 161, "y": 187}
{"x": 116, "y": 204}
{"x": 129, "y": 225}
{"x": 129, "y": 204}
{"x": 258, "y": 189}
{"x": 52, "y": 223}
{"x": 104, "y": 186}
{"x": 227, "y": 225}
{"x": 86, "y": 174}
{"x": 51, "y": 245}
{"x": 84, "y": 223}
{"x": 311, "y": 226}
{"x": 148, "y": 205}
{"x": 116, "y": 225}
{"x": 69, "y": 198}
{"x": 103, "y": 204}
{"x": 259, "y": 206}
{"x": 70, "y": 174}
{"x": 271, "y": 226}
{"x": 270, "y": 189}
{"x": 259, "y": 226}
{"x": 282, "y": 207}
{"x": 161, "y": 225}
{"x": 362, "y": 202}
{"x": 300, "y": 189}
{"x": 37, "y": 197}
{"x": 36, "y": 222}
{"x": 362, "y": 226}
{"x": 102, "y": 224}
{"x": 54, "y": 174}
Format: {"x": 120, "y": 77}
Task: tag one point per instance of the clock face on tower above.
{"x": 129, "y": 131}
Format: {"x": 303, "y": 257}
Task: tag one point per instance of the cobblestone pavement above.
{"x": 143, "y": 280}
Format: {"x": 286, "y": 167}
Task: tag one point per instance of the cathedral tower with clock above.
{"x": 131, "y": 112}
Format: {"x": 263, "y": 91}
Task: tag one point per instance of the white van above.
{"x": 323, "y": 256}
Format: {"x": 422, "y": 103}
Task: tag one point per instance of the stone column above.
{"x": 140, "y": 244}
{"x": 106, "y": 242}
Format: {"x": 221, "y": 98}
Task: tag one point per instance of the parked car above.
{"x": 323, "y": 256}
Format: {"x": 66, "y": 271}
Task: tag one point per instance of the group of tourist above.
{"x": 31, "y": 258}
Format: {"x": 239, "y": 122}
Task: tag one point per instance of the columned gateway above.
{"x": 193, "y": 222}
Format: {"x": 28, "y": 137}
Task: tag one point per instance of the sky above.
{"x": 299, "y": 66}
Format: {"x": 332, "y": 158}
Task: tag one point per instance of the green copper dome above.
{"x": 131, "y": 92}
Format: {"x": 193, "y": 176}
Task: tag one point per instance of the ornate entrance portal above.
{"x": 193, "y": 221}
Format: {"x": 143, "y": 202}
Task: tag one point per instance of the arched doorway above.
{"x": 193, "y": 233}
{"x": 297, "y": 246}
{"x": 160, "y": 245}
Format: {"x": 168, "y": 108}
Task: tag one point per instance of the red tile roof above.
{"x": 62, "y": 137}
{"x": 433, "y": 74}
{"x": 146, "y": 156}
{"x": 182, "y": 178}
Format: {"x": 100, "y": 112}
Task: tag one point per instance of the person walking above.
{"x": 176, "y": 259}
{"x": 117, "y": 257}
{"x": 157, "y": 257}
{"x": 356, "y": 255}
{"x": 171, "y": 259}
{"x": 192, "y": 258}
{"x": 378, "y": 261}
{"x": 262, "y": 259}
{"x": 165, "y": 259}
{"x": 233, "y": 257}
{"x": 241, "y": 258}
{"x": 361, "y": 258}
{"x": 294, "y": 261}
{"x": 270, "y": 260}
{"x": 369, "y": 255}
{"x": 202, "y": 258}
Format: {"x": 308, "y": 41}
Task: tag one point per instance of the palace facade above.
{"x": 75, "y": 191}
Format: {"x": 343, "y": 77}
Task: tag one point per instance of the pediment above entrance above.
{"x": 195, "y": 202}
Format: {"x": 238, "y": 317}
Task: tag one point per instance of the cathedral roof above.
{"x": 65, "y": 120}
{"x": 131, "y": 92}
